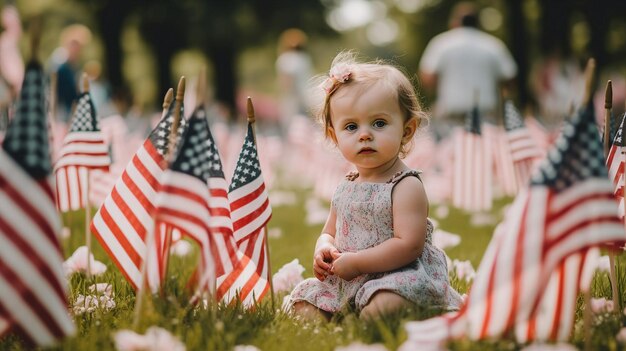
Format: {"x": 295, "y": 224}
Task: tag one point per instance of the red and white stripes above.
{"x": 182, "y": 202}
{"x": 472, "y": 179}
{"x": 32, "y": 284}
{"x": 81, "y": 152}
{"x": 125, "y": 216}
{"x": 250, "y": 208}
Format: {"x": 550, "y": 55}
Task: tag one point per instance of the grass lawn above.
{"x": 220, "y": 327}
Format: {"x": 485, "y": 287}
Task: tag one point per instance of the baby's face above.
{"x": 367, "y": 124}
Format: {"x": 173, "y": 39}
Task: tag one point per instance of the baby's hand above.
{"x": 343, "y": 265}
{"x": 323, "y": 261}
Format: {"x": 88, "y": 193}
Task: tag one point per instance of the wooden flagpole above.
{"x": 200, "y": 101}
{"x": 54, "y": 78}
{"x": 504, "y": 95}
{"x": 252, "y": 120}
{"x": 201, "y": 88}
{"x": 85, "y": 89}
{"x": 171, "y": 149}
{"x": 617, "y": 307}
{"x": 178, "y": 102}
{"x": 608, "y": 105}
{"x": 35, "y": 35}
{"x": 589, "y": 75}
{"x": 35, "y": 38}
{"x": 167, "y": 101}
{"x": 52, "y": 116}
{"x": 587, "y": 314}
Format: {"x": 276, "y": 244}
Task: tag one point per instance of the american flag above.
{"x": 236, "y": 273}
{"x": 250, "y": 212}
{"x": 33, "y": 298}
{"x": 473, "y": 161}
{"x": 83, "y": 150}
{"x": 615, "y": 164}
{"x": 524, "y": 150}
{"x": 567, "y": 209}
{"x": 126, "y": 216}
{"x": 183, "y": 196}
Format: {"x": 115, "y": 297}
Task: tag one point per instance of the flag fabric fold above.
{"x": 33, "y": 301}
{"x": 553, "y": 319}
{"x": 83, "y": 149}
{"x": 567, "y": 209}
{"x": 126, "y": 215}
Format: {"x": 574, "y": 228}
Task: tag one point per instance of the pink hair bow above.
{"x": 338, "y": 74}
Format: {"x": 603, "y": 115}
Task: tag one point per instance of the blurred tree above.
{"x": 224, "y": 28}
{"x": 519, "y": 47}
{"x": 110, "y": 16}
{"x": 555, "y": 26}
{"x": 162, "y": 24}
{"x": 598, "y": 14}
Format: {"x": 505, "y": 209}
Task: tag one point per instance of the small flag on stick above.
{"x": 472, "y": 178}
{"x": 250, "y": 209}
{"x": 83, "y": 149}
{"x": 524, "y": 149}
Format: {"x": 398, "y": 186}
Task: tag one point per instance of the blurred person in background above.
{"x": 460, "y": 64}
{"x": 294, "y": 68}
{"x": 65, "y": 61}
{"x": 11, "y": 62}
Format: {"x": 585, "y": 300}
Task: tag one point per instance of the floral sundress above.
{"x": 364, "y": 220}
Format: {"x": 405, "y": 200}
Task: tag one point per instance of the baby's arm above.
{"x": 325, "y": 248}
{"x": 410, "y": 211}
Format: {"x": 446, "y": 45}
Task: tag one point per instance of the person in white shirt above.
{"x": 466, "y": 66}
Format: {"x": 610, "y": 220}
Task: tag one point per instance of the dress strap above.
{"x": 351, "y": 176}
{"x": 403, "y": 174}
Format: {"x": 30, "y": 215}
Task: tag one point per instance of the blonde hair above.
{"x": 366, "y": 75}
